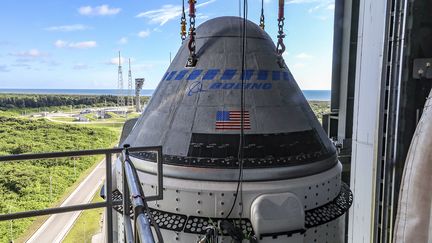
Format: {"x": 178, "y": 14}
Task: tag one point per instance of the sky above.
{"x": 64, "y": 44}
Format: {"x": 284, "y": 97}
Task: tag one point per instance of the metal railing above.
{"x": 132, "y": 189}
{"x": 109, "y": 203}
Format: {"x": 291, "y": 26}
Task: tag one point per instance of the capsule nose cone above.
{"x": 196, "y": 114}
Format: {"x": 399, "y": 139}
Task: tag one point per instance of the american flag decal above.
{"x": 231, "y": 120}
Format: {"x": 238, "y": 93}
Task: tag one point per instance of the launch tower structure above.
{"x": 120, "y": 97}
{"x": 129, "y": 94}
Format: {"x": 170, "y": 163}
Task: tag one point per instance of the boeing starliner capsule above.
{"x": 290, "y": 189}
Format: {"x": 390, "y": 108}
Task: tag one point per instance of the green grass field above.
{"x": 38, "y": 184}
{"x": 88, "y": 224}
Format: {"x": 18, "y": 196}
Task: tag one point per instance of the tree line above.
{"x": 37, "y": 101}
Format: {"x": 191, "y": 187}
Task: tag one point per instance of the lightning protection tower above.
{"x": 129, "y": 94}
{"x": 120, "y": 97}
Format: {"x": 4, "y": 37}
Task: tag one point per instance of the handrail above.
{"x": 133, "y": 190}
{"x": 78, "y": 153}
{"x": 109, "y": 203}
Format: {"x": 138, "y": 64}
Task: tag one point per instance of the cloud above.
{"x": 321, "y": 5}
{"x": 201, "y": 16}
{"x": 144, "y": 33}
{"x": 331, "y": 6}
{"x": 167, "y": 12}
{"x": 101, "y": 10}
{"x": 304, "y": 56}
{"x": 33, "y": 53}
{"x": 163, "y": 15}
{"x": 25, "y": 58}
{"x": 115, "y": 61}
{"x": 83, "y": 44}
{"x": 4, "y": 69}
{"x": 60, "y": 44}
{"x": 123, "y": 41}
{"x": 75, "y": 45}
{"x": 68, "y": 28}
{"x": 80, "y": 66}
{"x": 205, "y": 3}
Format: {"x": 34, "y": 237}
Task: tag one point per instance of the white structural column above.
{"x": 369, "y": 67}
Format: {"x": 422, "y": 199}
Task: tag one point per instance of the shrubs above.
{"x": 20, "y": 101}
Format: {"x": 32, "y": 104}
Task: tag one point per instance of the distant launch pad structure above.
{"x": 129, "y": 91}
{"x": 139, "y": 82}
{"x": 120, "y": 97}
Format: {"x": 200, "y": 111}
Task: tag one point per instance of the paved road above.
{"x": 52, "y": 119}
{"x": 58, "y": 225}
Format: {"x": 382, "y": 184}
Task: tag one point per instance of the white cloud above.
{"x": 201, "y": 16}
{"x": 144, "y": 33}
{"x": 304, "y": 56}
{"x": 321, "y": 5}
{"x": 60, "y": 44}
{"x": 68, "y": 28}
{"x": 123, "y": 40}
{"x": 33, "y": 53}
{"x": 331, "y": 6}
{"x": 115, "y": 61}
{"x": 80, "y": 66}
{"x": 156, "y": 29}
{"x": 205, "y": 3}
{"x": 75, "y": 45}
{"x": 166, "y": 13}
{"x": 101, "y": 10}
{"x": 163, "y": 15}
{"x": 83, "y": 44}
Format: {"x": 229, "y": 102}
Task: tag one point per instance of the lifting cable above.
{"x": 280, "y": 47}
{"x": 262, "y": 24}
{"x": 240, "y": 155}
{"x": 183, "y": 23}
{"x": 191, "y": 45}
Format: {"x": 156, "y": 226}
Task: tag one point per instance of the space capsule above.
{"x": 291, "y": 188}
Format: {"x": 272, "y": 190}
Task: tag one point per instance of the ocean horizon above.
{"x": 316, "y": 95}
